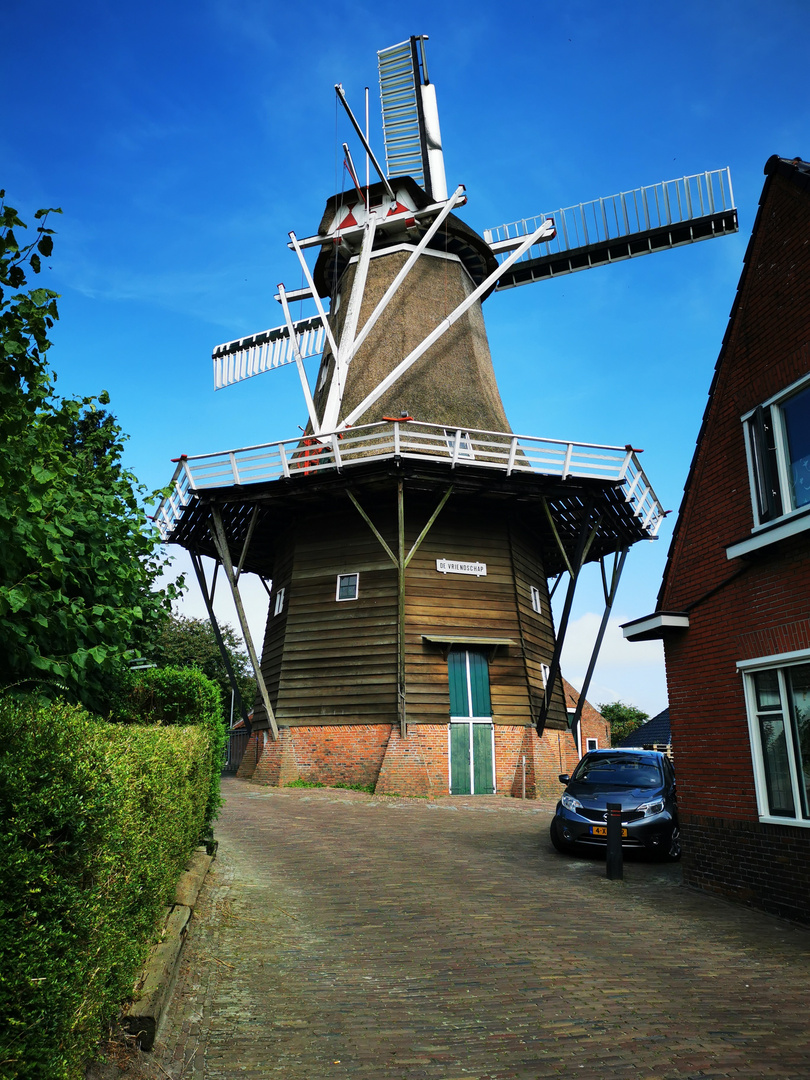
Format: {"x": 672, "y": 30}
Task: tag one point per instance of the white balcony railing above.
{"x": 458, "y": 448}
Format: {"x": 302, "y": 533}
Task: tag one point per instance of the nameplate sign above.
{"x": 449, "y": 566}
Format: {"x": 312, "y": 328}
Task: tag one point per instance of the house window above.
{"x": 778, "y": 703}
{"x": 279, "y": 607}
{"x": 591, "y": 744}
{"x": 778, "y": 436}
{"x": 347, "y": 586}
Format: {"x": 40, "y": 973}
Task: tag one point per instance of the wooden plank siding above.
{"x": 487, "y": 606}
{"x": 274, "y": 634}
{"x": 335, "y": 662}
{"x": 339, "y": 664}
{"x": 536, "y": 629}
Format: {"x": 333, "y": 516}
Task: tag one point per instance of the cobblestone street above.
{"x": 341, "y": 935}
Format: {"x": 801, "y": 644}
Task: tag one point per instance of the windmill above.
{"x": 408, "y": 538}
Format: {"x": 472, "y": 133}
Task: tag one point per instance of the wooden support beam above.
{"x": 221, "y": 544}
{"x": 586, "y": 538}
{"x": 429, "y": 525}
{"x": 372, "y": 526}
{"x": 248, "y": 538}
{"x": 610, "y": 596}
{"x": 403, "y": 716}
{"x": 401, "y": 561}
{"x": 208, "y": 599}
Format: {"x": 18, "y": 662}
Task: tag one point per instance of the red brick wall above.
{"x": 374, "y": 754}
{"x": 745, "y": 607}
{"x": 764, "y": 866}
{"x": 765, "y": 608}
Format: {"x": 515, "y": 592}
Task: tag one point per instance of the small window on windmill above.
{"x": 545, "y": 672}
{"x": 535, "y": 599}
{"x": 460, "y": 444}
{"x": 348, "y": 587}
{"x": 279, "y": 606}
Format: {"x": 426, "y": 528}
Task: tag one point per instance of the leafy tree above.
{"x": 80, "y": 558}
{"x": 185, "y": 642}
{"x": 623, "y": 719}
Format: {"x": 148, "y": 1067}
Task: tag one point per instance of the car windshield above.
{"x": 624, "y": 771}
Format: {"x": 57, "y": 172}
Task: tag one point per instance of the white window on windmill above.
{"x": 348, "y": 587}
{"x": 279, "y": 604}
{"x": 459, "y": 444}
{"x": 545, "y": 671}
{"x": 536, "y": 599}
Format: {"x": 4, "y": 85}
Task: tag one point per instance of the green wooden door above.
{"x": 471, "y": 760}
{"x": 460, "y": 773}
{"x": 483, "y": 773}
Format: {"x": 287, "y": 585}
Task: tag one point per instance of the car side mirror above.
{"x": 564, "y": 778}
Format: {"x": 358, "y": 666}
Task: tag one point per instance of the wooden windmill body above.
{"x": 409, "y": 536}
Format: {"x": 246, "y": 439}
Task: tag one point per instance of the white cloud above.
{"x": 626, "y": 671}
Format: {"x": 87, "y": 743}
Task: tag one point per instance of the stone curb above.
{"x": 152, "y": 989}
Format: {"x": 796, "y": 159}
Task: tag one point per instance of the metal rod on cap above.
{"x": 364, "y": 140}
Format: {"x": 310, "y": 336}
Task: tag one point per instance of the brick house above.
{"x": 593, "y": 730}
{"x": 734, "y": 605}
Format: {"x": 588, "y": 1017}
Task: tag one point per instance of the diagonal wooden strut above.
{"x": 609, "y": 592}
{"x": 401, "y": 561}
{"x": 221, "y": 543}
{"x": 586, "y": 538}
{"x": 208, "y": 599}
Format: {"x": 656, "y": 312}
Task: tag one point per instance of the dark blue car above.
{"x": 642, "y": 781}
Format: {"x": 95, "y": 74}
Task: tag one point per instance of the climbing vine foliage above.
{"x": 79, "y": 556}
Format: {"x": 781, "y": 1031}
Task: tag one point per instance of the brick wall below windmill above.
{"x": 376, "y": 755}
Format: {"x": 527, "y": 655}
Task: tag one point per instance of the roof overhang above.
{"x": 276, "y": 503}
{"x": 656, "y": 626}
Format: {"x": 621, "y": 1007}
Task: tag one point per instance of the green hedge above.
{"x": 173, "y": 695}
{"x": 97, "y": 820}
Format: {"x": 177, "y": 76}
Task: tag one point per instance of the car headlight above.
{"x": 650, "y": 808}
{"x": 570, "y": 803}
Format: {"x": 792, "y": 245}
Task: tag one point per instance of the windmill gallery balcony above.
{"x": 559, "y": 471}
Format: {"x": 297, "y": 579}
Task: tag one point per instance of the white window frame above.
{"x": 345, "y": 599}
{"x": 279, "y": 605}
{"x": 588, "y": 742}
{"x": 459, "y": 444}
{"x": 545, "y": 672}
{"x": 747, "y": 669}
{"x": 536, "y": 601}
{"x": 792, "y": 518}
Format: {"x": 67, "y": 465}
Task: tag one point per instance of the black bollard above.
{"x": 615, "y": 867}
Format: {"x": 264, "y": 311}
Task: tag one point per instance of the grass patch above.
{"x": 300, "y": 783}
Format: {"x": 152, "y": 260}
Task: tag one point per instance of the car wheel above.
{"x": 556, "y": 837}
{"x": 674, "y": 852}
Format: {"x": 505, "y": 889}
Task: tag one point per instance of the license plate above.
{"x": 601, "y": 830}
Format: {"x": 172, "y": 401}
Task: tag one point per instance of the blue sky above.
{"x": 185, "y": 140}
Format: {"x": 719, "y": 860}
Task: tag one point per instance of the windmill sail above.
{"x": 413, "y": 142}
{"x": 637, "y": 222}
{"x": 245, "y": 357}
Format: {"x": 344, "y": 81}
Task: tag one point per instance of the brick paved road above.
{"x": 341, "y": 935}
